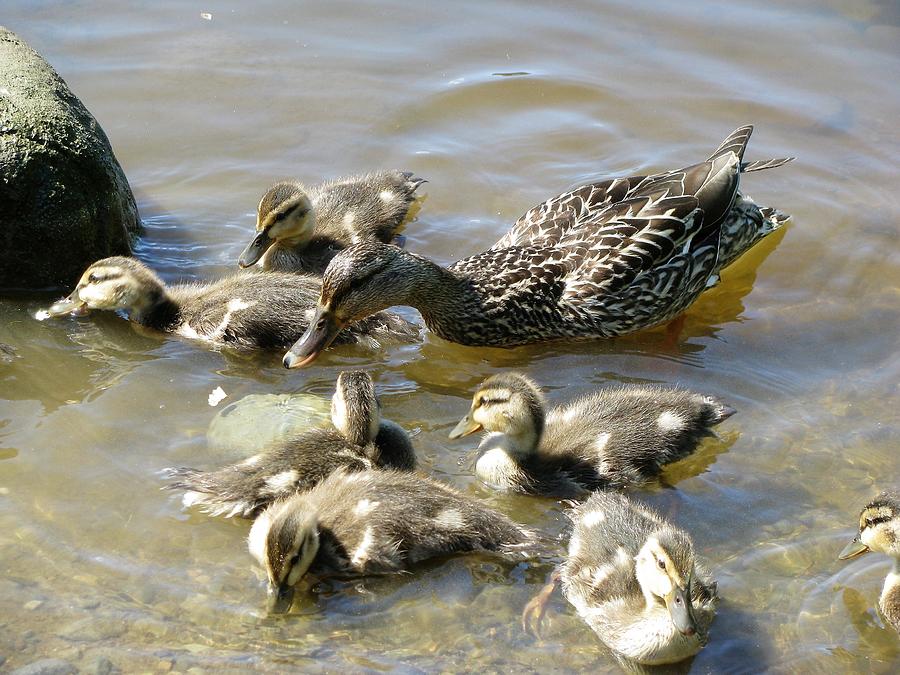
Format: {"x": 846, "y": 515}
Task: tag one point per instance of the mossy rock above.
{"x": 64, "y": 200}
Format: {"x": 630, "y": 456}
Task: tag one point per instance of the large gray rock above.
{"x": 64, "y": 201}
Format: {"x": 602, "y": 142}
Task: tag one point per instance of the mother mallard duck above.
{"x": 602, "y": 260}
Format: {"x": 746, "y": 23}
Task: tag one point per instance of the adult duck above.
{"x": 602, "y": 260}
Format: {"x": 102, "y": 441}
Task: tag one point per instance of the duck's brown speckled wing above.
{"x": 714, "y": 183}
{"x": 546, "y": 223}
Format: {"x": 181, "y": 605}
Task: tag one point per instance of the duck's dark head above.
{"x": 360, "y": 280}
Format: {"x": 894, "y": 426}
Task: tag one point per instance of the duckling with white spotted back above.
{"x": 360, "y": 439}
{"x": 634, "y": 578}
{"x": 610, "y": 438}
{"x": 244, "y": 311}
{"x": 302, "y": 229}
{"x": 879, "y": 530}
{"x": 373, "y": 522}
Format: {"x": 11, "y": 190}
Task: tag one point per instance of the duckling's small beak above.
{"x": 678, "y": 602}
{"x": 853, "y": 549}
{"x": 279, "y": 598}
{"x": 72, "y": 305}
{"x": 322, "y": 331}
{"x": 255, "y": 249}
{"x": 465, "y": 427}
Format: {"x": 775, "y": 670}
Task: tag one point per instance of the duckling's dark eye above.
{"x": 294, "y": 560}
{"x": 280, "y": 216}
{"x": 93, "y": 278}
{"x": 662, "y": 564}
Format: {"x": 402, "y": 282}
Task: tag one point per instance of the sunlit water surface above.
{"x": 499, "y": 106}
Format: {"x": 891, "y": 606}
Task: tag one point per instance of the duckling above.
{"x": 372, "y": 522}
{"x": 613, "y": 437}
{"x": 879, "y": 530}
{"x": 359, "y": 440}
{"x": 602, "y": 260}
{"x": 244, "y": 311}
{"x": 634, "y": 578}
{"x": 302, "y": 229}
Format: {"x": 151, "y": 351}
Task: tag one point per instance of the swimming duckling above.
{"x": 879, "y": 530}
{"x": 359, "y": 440}
{"x": 610, "y": 438}
{"x": 302, "y": 229}
{"x": 372, "y": 522}
{"x": 243, "y": 311}
{"x": 633, "y": 577}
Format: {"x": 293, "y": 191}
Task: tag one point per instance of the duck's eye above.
{"x": 662, "y": 564}
{"x": 93, "y": 278}
{"x": 280, "y": 216}
{"x": 294, "y": 560}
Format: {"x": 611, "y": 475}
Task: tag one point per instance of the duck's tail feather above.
{"x": 736, "y": 142}
{"x": 773, "y": 217}
{"x": 763, "y": 164}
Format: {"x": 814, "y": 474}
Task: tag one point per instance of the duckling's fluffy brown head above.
{"x": 285, "y": 214}
{"x": 116, "y": 283}
{"x": 284, "y": 540}
{"x": 509, "y": 403}
{"x": 879, "y": 528}
{"x": 355, "y": 410}
{"x": 663, "y": 567}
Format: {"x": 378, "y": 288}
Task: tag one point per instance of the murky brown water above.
{"x": 499, "y": 107}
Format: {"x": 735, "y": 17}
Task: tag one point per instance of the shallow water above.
{"x": 499, "y": 107}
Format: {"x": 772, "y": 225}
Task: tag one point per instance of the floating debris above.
{"x": 216, "y": 396}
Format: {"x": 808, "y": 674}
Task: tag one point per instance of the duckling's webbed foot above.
{"x": 533, "y": 613}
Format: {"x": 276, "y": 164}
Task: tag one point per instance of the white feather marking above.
{"x": 671, "y": 421}
{"x": 592, "y": 518}
{"x": 361, "y": 554}
{"x": 236, "y": 305}
{"x": 601, "y": 442}
{"x": 256, "y": 540}
{"x": 364, "y": 507}
{"x": 191, "y": 498}
{"x": 387, "y": 196}
{"x": 570, "y": 414}
{"x": 282, "y": 481}
{"x": 185, "y": 330}
{"x": 450, "y": 519}
{"x": 574, "y": 546}
{"x": 252, "y": 461}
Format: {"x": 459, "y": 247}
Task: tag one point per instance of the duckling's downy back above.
{"x": 636, "y": 430}
{"x": 623, "y": 604}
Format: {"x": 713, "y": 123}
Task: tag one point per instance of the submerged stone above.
{"x": 47, "y": 667}
{"x": 257, "y": 420}
{"x": 66, "y": 202}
